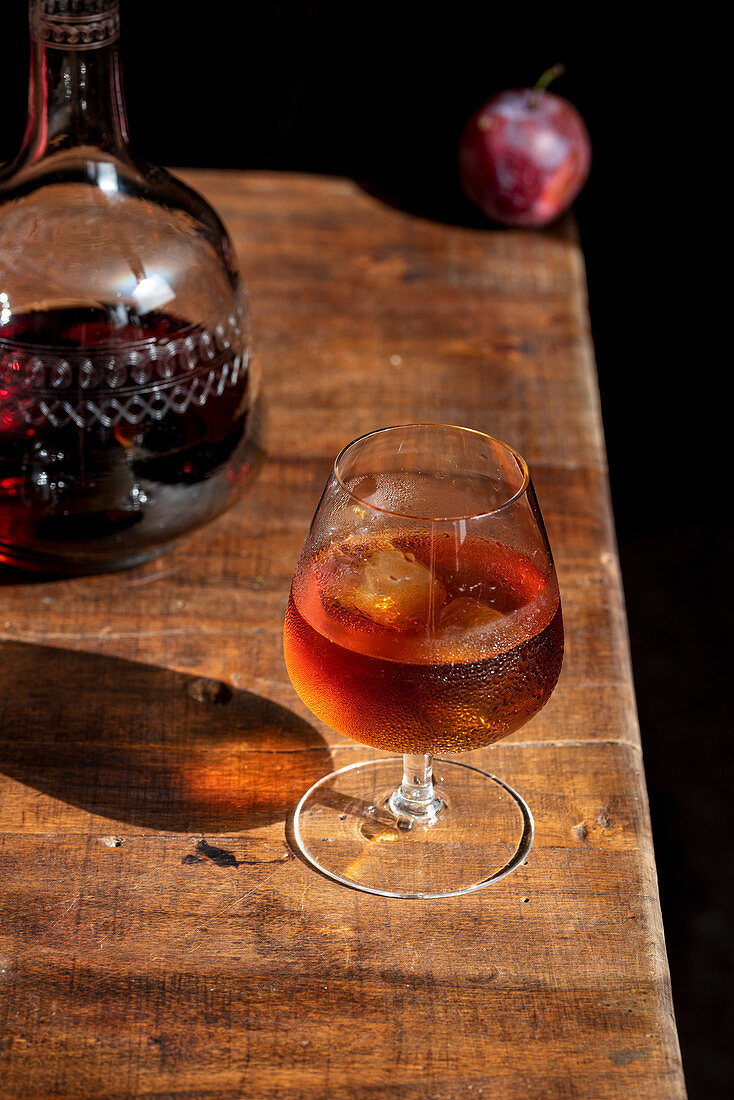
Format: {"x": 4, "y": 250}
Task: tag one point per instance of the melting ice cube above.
{"x": 393, "y": 589}
{"x": 467, "y": 613}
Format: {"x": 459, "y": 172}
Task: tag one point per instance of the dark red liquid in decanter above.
{"x": 118, "y": 433}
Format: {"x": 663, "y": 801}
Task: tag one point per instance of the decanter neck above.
{"x": 75, "y": 94}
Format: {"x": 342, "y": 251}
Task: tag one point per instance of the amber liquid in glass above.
{"x": 414, "y": 643}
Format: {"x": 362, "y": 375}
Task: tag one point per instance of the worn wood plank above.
{"x": 488, "y": 990}
{"x": 157, "y": 936}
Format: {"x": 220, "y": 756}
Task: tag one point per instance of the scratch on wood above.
{"x": 237, "y": 901}
{"x": 149, "y": 580}
{"x": 625, "y": 1056}
{"x": 65, "y": 913}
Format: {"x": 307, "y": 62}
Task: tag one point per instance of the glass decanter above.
{"x": 127, "y": 399}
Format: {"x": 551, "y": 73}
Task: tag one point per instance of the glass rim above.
{"x": 521, "y": 491}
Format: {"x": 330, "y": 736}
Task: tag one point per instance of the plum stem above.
{"x": 547, "y": 78}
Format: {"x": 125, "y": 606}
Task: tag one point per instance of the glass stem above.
{"x": 415, "y": 801}
{"x": 417, "y": 785}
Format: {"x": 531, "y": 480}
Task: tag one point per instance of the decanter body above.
{"x": 127, "y": 402}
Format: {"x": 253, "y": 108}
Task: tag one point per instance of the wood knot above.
{"x": 209, "y": 691}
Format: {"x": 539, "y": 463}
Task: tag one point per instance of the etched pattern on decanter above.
{"x": 142, "y": 379}
{"x": 76, "y": 24}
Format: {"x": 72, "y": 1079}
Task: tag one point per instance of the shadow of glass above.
{"x": 373, "y": 821}
{"x": 151, "y": 747}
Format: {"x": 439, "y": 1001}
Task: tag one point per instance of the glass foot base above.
{"x": 482, "y": 830}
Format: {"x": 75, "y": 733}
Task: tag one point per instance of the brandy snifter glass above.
{"x": 424, "y": 617}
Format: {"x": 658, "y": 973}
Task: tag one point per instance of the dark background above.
{"x": 381, "y": 93}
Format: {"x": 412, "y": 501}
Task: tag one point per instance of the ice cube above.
{"x": 392, "y": 589}
{"x": 467, "y": 613}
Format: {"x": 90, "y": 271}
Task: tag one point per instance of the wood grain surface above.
{"x": 158, "y": 937}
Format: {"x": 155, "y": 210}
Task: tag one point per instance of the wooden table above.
{"x": 157, "y": 936}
